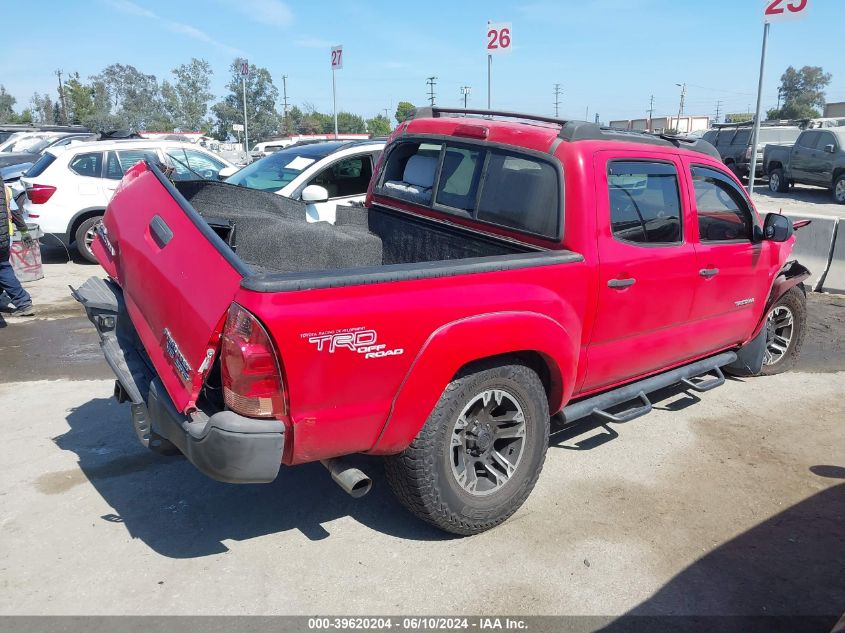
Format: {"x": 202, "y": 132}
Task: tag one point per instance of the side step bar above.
{"x": 685, "y": 375}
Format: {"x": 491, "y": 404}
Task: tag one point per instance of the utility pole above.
{"x": 62, "y": 97}
{"x": 718, "y": 111}
{"x": 650, "y": 113}
{"x": 285, "y": 103}
{"x": 431, "y": 81}
{"x": 681, "y": 107}
{"x": 557, "y": 101}
{"x": 465, "y": 91}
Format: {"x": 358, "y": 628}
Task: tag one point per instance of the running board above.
{"x": 685, "y": 375}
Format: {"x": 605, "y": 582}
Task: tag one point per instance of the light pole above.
{"x": 466, "y": 91}
{"x": 683, "y": 88}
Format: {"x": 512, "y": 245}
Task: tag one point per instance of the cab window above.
{"x": 724, "y": 214}
{"x": 645, "y": 202}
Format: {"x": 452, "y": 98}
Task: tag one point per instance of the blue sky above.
{"x": 608, "y": 55}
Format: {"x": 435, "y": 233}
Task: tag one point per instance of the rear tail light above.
{"x": 39, "y": 194}
{"x": 252, "y": 378}
{"x": 748, "y": 153}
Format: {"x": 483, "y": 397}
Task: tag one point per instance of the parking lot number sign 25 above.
{"x": 782, "y": 10}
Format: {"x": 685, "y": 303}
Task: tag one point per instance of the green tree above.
{"x": 186, "y": 100}
{"x": 378, "y": 125}
{"x": 802, "y": 92}
{"x": 7, "y": 106}
{"x": 348, "y": 123}
{"x": 261, "y": 95}
{"x": 41, "y": 107}
{"x": 134, "y": 97}
{"x": 403, "y": 110}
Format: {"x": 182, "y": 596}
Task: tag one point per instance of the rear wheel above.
{"x": 777, "y": 181}
{"x": 480, "y": 452}
{"x": 785, "y": 329}
{"x": 839, "y": 189}
{"x": 85, "y": 234}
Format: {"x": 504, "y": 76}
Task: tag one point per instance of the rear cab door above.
{"x": 735, "y": 268}
{"x": 647, "y": 267}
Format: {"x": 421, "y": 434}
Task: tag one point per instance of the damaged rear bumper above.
{"x": 224, "y": 446}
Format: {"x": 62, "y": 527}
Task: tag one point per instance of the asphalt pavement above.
{"x": 731, "y": 501}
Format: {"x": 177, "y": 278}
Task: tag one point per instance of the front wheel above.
{"x": 480, "y": 452}
{"x": 785, "y": 329}
{"x": 85, "y": 234}
{"x": 839, "y": 190}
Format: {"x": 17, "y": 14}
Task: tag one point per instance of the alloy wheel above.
{"x": 779, "y": 330}
{"x": 488, "y": 441}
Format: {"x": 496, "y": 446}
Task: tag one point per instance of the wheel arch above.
{"x": 532, "y": 339}
{"x": 79, "y": 218}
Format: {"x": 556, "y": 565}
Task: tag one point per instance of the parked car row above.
{"x": 68, "y": 188}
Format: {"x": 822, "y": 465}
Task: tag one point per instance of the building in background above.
{"x": 685, "y": 125}
{"x": 834, "y": 110}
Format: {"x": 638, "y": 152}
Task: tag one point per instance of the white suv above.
{"x": 67, "y": 191}
{"x": 323, "y": 175}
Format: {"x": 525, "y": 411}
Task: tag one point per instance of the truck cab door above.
{"x": 735, "y": 270}
{"x": 801, "y": 156}
{"x": 647, "y": 268}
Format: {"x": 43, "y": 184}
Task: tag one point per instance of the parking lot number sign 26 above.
{"x": 499, "y": 40}
{"x": 781, "y": 10}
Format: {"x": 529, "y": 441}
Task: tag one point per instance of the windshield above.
{"x": 32, "y": 144}
{"x": 278, "y": 170}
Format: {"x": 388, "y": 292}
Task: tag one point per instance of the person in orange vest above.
{"x": 9, "y": 283}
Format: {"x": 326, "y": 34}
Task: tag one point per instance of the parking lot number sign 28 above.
{"x": 781, "y": 10}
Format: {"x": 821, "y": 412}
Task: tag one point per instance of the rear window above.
{"x": 40, "y": 165}
{"x": 743, "y": 137}
{"x": 494, "y": 186}
{"x": 89, "y": 164}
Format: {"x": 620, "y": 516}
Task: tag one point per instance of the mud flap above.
{"x": 749, "y": 358}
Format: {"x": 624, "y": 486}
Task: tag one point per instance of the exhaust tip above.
{"x": 353, "y": 481}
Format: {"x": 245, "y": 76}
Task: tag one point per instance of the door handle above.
{"x": 708, "y": 272}
{"x": 621, "y": 283}
{"x": 160, "y": 232}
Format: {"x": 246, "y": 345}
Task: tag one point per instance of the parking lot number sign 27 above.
{"x": 337, "y": 64}
{"x": 781, "y": 10}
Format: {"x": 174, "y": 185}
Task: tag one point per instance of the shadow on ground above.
{"x": 789, "y": 566}
{"x": 181, "y": 513}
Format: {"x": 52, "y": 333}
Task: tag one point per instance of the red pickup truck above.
{"x": 504, "y": 268}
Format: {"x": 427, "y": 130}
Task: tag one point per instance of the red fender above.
{"x": 455, "y": 344}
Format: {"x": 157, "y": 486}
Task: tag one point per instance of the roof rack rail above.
{"x": 581, "y": 130}
{"x": 434, "y": 112}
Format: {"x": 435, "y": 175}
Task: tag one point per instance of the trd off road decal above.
{"x": 355, "y": 339}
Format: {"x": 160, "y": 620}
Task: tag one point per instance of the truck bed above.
{"x": 270, "y": 234}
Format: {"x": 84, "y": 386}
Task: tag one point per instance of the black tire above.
{"x": 839, "y": 189}
{"x": 795, "y": 302}
{"x": 82, "y": 243}
{"x": 778, "y": 182}
{"x": 423, "y": 476}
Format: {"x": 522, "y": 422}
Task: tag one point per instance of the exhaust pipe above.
{"x": 352, "y": 480}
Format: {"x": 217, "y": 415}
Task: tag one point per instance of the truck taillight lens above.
{"x": 39, "y": 194}
{"x": 252, "y": 378}
{"x": 748, "y": 153}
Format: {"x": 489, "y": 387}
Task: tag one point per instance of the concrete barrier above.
{"x": 814, "y": 244}
{"x": 834, "y": 281}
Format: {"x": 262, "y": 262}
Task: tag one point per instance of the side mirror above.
{"x": 830, "y": 149}
{"x": 315, "y": 193}
{"x": 226, "y": 172}
{"x": 777, "y": 228}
